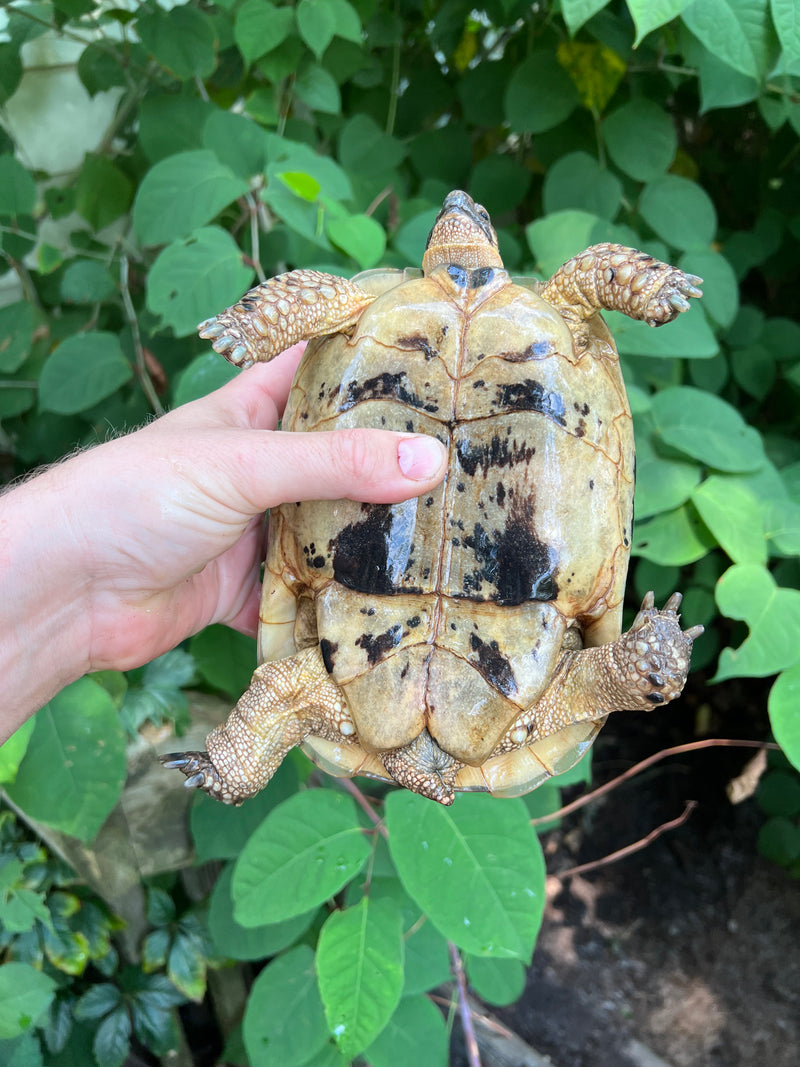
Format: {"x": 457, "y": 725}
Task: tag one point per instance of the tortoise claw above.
{"x": 658, "y": 651}
{"x": 200, "y": 773}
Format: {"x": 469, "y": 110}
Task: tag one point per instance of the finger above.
{"x": 377, "y": 466}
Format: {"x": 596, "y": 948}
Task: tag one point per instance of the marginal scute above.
{"x": 470, "y": 639}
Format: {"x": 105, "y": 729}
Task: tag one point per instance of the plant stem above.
{"x": 133, "y": 322}
{"x": 471, "y": 1042}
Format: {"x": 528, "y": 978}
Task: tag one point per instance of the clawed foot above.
{"x": 201, "y": 774}
{"x": 672, "y": 298}
{"x": 654, "y": 654}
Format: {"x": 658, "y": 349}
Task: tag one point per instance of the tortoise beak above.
{"x": 459, "y": 202}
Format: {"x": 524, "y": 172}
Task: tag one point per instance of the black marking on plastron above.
{"x": 420, "y": 343}
{"x": 499, "y": 452}
{"x": 531, "y": 395}
{"x": 481, "y": 276}
{"x": 535, "y": 350}
{"x": 361, "y": 553}
{"x": 514, "y": 561}
{"x": 493, "y": 665}
{"x": 501, "y": 495}
{"x": 328, "y": 650}
{"x": 459, "y": 276}
{"x": 376, "y": 647}
{"x": 384, "y": 386}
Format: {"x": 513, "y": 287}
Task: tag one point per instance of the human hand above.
{"x": 124, "y": 550}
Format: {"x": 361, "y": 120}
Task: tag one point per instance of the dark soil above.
{"x": 690, "y": 946}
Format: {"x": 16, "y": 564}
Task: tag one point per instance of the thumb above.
{"x": 376, "y": 466}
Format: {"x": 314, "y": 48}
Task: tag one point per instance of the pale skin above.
{"x": 115, "y": 556}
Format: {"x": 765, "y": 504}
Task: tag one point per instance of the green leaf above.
{"x": 181, "y": 193}
{"x": 673, "y": 538}
{"x": 249, "y": 942}
{"x": 498, "y": 982}
{"x": 415, "y": 1035}
{"x": 172, "y": 124}
{"x": 648, "y": 15}
{"x": 318, "y": 89}
{"x": 707, "y": 428}
{"x": 738, "y": 32}
{"x": 97, "y": 1001}
{"x": 236, "y": 141}
{"x": 358, "y": 236}
{"x": 82, "y": 371}
{"x": 640, "y": 137}
{"x": 74, "y": 769}
{"x": 784, "y": 713}
{"x": 475, "y": 869}
{"x": 220, "y": 831}
{"x": 578, "y": 181}
{"x": 85, "y": 281}
{"x": 111, "y": 1043}
{"x": 720, "y": 287}
{"x": 779, "y": 841}
{"x": 577, "y": 12}
{"x": 10, "y": 71}
{"x": 786, "y": 18}
{"x": 102, "y": 192}
{"x": 25, "y": 1050}
{"x": 17, "y": 188}
{"x": 99, "y": 69}
{"x": 778, "y": 793}
{"x": 186, "y": 966}
{"x": 284, "y": 1022}
{"x": 17, "y": 322}
{"x": 225, "y": 658}
{"x": 260, "y": 27}
{"x": 679, "y": 211}
{"x": 182, "y": 40}
{"x": 747, "y": 591}
{"x": 302, "y": 854}
{"x": 316, "y": 23}
{"x": 733, "y": 514}
{"x": 366, "y": 149}
{"x": 563, "y": 234}
{"x": 499, "y": 183}
{"x": 25, "y": 996}
{"x": 13, "y": 750}
{"x": 662, "y": 484}
{"x": 540, "y": 94}
{"x": 195, "y": 276}
{"x": 360, "y": 971}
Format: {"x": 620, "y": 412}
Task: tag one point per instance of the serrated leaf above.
{"x": 181, "y": 193}
{"x": 748, "y": 592}
{"x": 186, "y": 966}
{"x": 475, "y": 869}
{"x": 112, "y": 1040}
{"x": 415, "y": 1035}
{"x": 284, "y": 1022}
{"x": 160, "y": 907}
{"x": 641, "y": 138}
{"x": 97, "y": 1001}
{"x": 74, "y": 769}
{"x": 82, "y": 371}
{"x": 707, "y": 428}
{"x": 194, "y": 276}
{"x": 249, "y": 942}
{"x": 302, "y": 854}
{"x": 260, "y": 27}
{"x": 679, "y": 211}
{"x": 738, "y": 32}
{"x": 784, "y": 713}
{"x": 25, "y": 995}
{"x": 360, "y": 971}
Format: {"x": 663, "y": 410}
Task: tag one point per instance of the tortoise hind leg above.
{"x": 424, "y": 768}
{"x": 616, "y": 278}
{"x": 287, "y": 700}
{"x": 645, "y": 667}
{"x": 282, "y": 311}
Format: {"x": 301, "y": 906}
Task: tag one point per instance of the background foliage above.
{"x": 156, "y": 159}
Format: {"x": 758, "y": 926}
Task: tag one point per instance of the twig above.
{"x": 473, "y": 1055}
{"x": 636, "y": 846}
{"x": 351, "y": 788}
{"x": 133, "y": 322}
{"x": 587, "y": 798}
{"x": 255, "y": 241}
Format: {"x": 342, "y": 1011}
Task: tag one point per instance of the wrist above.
{"x": 43, "y": 593}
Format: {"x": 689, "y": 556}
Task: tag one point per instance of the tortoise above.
{"x": 470, "y": 638}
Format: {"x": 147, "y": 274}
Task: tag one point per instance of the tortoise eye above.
{"x": 482, "y": 212}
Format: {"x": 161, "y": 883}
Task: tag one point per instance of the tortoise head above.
{"x": 462, "y": 236}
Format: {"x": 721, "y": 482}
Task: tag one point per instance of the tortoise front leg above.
{"x": 287, "y": 700}
{"x": 645, "y": 667}
{"x": 282, "y": 311}
{"x": 616, "y": 278}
